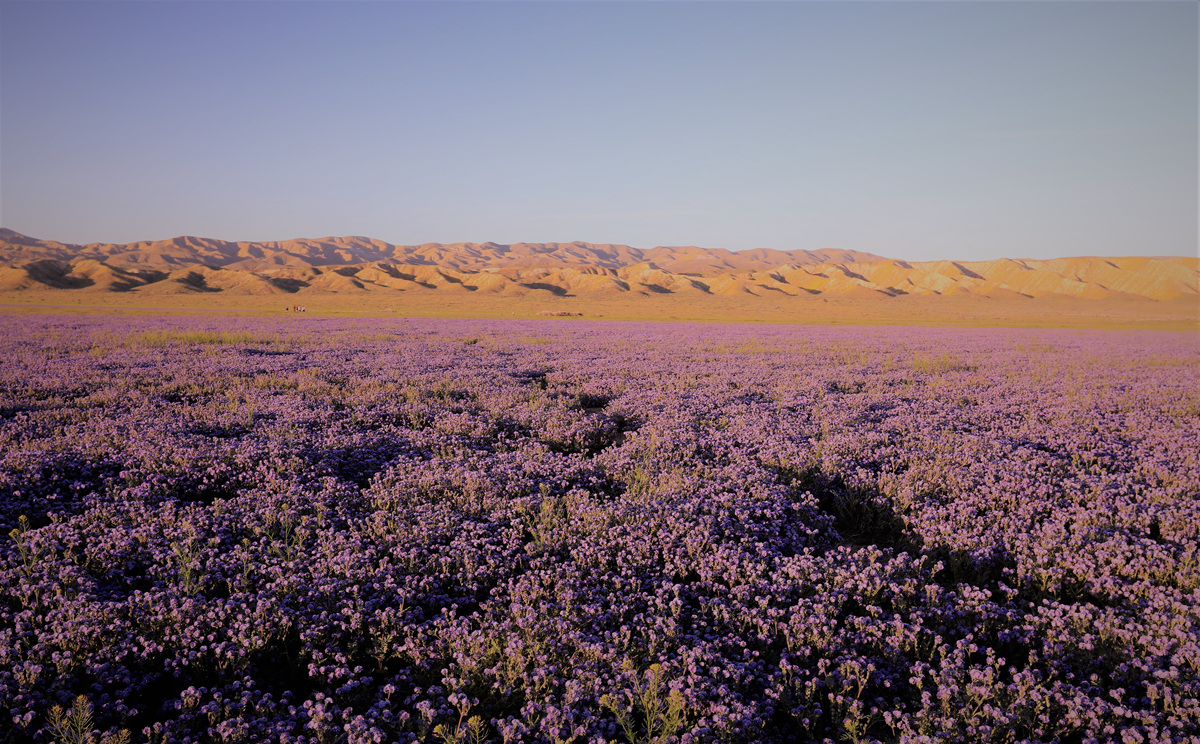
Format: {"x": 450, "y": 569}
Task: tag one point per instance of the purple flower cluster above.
{"x": 307, "y": 530}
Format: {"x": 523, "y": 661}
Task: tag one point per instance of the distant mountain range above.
{"x": 190, "y": 265}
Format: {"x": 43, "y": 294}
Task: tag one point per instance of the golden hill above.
{"x": 304, "y": 270}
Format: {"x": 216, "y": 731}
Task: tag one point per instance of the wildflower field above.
{"x": 314, "y": 530}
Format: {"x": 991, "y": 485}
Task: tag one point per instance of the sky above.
{"x": 916, "y": 130}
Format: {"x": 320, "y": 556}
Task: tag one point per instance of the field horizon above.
{"x": 363, "y": 276}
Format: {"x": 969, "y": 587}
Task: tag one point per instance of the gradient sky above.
{"x": 918, "y": 130}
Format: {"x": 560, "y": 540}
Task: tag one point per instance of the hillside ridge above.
{"x": 356, "y": 264}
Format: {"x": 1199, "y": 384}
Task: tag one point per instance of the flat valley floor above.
{"x": 961, "y": 310}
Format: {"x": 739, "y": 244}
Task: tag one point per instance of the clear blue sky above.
{"x": 919, "y": 130}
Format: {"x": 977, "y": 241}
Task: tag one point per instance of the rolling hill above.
{"x": 359, "y": 265}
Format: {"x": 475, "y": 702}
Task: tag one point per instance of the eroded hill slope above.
{"x": 190, "y": 265}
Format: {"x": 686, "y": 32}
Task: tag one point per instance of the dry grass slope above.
{"x": 361, "y": 275}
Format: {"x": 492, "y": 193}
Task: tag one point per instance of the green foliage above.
{"x": 652, "y": 718}
{"x": 168, "y": 337}
{"x": 30, "y": 551}
{"x": 941, "y": 364}
{"x": 191, "y": 575}
{"x": 76, "y": 726}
